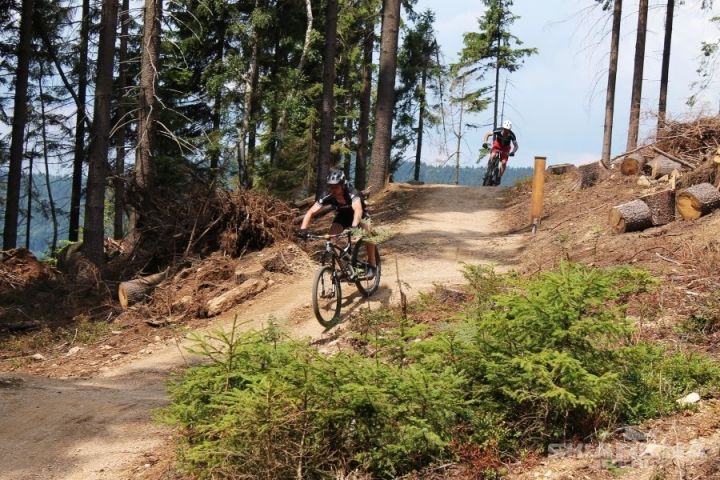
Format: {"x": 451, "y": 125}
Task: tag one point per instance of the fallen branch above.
{"x": 674, "y": 158}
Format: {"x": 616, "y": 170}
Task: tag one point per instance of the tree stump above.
{"x": 632, "y": 164}
{"x": 662, "y": 206}
{"x": 136, "y": 290}
{"x": 631, "y": 216}
{"x": 561, "y": 169}
{"x": 590, "y": 174}
{"x": 661, "y": 165}
{"x": 698, "y": 200}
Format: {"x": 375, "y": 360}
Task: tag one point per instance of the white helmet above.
{"x": 507, "y": 124}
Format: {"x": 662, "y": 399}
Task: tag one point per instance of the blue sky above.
{"x": 557, "y": 100}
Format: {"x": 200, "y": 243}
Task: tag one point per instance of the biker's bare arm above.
{"x": 309, "y": 215}
{"x": 357, "y": 212}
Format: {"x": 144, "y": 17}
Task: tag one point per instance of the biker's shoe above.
{"x": 370, "y": 273}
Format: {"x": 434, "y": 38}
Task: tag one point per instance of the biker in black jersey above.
{"x": 350, "y": 211}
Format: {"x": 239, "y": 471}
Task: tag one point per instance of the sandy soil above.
{"x": 101, "y": 427}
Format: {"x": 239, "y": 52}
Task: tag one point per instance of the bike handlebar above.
{"x": 326, "y": 236}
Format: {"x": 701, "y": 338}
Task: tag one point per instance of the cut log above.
{"x": 698, "y": 200}
{"x": 661, "y": 165}
{"x": 561, "y": 169}
{"x": 716, "y": 161}
{"x": 136, "y": 290}
{"x": 632, "y": 164}
{"x": 662, "y": 206}
{"x": 630, "y": 217}
{"x": 249, "y": 288}
{"x": 590, "y": 174}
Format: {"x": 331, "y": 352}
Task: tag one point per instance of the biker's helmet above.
{"x": 507, "y": 124}
{"x": 336, "y": 177}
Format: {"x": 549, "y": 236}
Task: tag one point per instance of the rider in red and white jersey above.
{"x": 503, "y": 140}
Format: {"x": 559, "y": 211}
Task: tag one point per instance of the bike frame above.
{"x": 339, "y": 257}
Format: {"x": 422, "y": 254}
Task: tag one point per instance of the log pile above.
{"x": 687, "y": 156}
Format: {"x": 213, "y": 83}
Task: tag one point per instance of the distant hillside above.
{"x": 468, "y": 175}
{"x": 41, "y": 223}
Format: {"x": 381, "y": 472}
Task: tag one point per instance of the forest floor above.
{"x": 88, "y": 414}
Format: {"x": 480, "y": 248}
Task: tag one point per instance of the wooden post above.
{"x": 537, "y": 192}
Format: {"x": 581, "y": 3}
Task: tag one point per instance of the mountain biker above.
{"x": 350, "y": 211}
{"x": 502, "y": 138}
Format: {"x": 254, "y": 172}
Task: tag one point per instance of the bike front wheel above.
{"x": 327, "y": 296}
{"x": 360, "y": 263}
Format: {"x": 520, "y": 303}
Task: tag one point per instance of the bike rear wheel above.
{"x": 360, "y": 264}
{"x": 490, "y": 172}
{"x": 327, "y": 296}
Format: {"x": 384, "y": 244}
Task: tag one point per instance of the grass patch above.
{"x": 84, "y": 332}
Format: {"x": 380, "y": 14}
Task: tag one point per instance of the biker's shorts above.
{"x": 504, "y": 151}
{"x": 345, "y": 218}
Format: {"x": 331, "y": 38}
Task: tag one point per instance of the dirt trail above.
{"x": 100, "y": 428}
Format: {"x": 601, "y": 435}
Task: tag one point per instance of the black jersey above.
{"x": 504, "y": 140}
{"x": 350, "y": 194}
{"x": 345, "y": 212}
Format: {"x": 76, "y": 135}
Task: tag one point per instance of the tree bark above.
{"x": 662, "y": 102}
{"x": 147, "y": 110}
{"x": 385, "y": 96}
{"x": 421, "y": 127}
{"x": 365, "y": 99}
{"x": 97, "y": 172}
{"x": 661, "y": 205}
{"x": 245, "y": 162}
{"x": 327, "y": 117}
{"x": 612, "y": 77}
{"x": 51, "y": 200}
{"x": 697, "y": 201}
{"x": 24, "y": 51}
{"x": 639, "y": 63}
{"x": 81, "y": 116}
{"x": 631, "y": 216}
{"x": 118, "y": 179}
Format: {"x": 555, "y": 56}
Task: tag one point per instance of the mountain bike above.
{"x": 492, "y": 174}
{"x": 341, "y": 264}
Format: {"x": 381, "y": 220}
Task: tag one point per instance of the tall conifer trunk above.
{"x": 634, "y": 126}
{"x": 12, "y": 206}
{"x": 79, "y": 152}
{"x": 365, "y": 101}
{"x": 386, "y": 95}
{"x": 612, "y": 77}
{"x": 119, "y": 180}
{"x": 662, "y": 102}
{"x": 327, "y": 117}
{"x": 94, "y": 233}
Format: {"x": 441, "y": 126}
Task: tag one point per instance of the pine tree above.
{"x": 417, "y": 66}
{"x": 491, "y": 48}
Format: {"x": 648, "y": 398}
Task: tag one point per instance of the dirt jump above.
{"x": 100, "y": 426}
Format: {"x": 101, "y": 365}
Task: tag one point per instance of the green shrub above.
{"x": 532, "y": 360}
{"x": 267, "y": 408}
